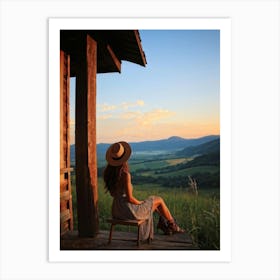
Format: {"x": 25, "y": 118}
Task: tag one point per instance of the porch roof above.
{"x": 113, "y": 47}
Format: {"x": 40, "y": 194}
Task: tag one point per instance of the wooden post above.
{"x": 86, "y": 161}
{"x": 66, "y": 213}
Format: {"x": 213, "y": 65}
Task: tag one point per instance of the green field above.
{"x": 155, "y": 164}
{"x": 170, "y": 171}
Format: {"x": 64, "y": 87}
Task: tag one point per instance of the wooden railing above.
{"x": 66, "y": 211}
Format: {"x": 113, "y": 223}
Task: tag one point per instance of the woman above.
{"x": 125, "y": 206}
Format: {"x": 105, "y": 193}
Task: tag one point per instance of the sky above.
{"x": 176, "y": 94}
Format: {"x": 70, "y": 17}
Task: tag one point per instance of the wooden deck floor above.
{"x": 125, "y": 241}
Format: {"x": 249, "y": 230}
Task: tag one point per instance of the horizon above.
{"x": 149, "y": 140}
{"x": 177, "y": 93}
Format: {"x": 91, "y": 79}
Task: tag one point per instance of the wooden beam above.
{"x": 114, "y": 58}
{"x": 142, "y": 54}
{"x": 86, "y": 162}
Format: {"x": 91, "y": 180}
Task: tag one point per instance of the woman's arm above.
{"x": 128, "y": 189}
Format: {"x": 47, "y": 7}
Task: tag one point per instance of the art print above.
{"x": 165, "y": 92}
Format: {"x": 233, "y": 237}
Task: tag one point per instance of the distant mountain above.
{"x": 172, "y": 144}
{"x": 205, "y": 148}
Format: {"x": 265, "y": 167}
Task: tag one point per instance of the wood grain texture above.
{"x": 85, "y": 138}
{"x": 66, "y": 223}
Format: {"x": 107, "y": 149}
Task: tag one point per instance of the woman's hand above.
{"x": 133, "y": 200}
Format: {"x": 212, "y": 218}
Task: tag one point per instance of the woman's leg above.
{"x": 171, "y": 226}
{"x": 160, "y": 206}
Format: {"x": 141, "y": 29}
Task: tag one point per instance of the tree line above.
{"x": 205, "y": 180}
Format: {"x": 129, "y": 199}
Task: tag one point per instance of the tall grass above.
{"x": 199, "y": 215}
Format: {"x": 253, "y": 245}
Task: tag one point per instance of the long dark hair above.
{"x": 112, "y": 175}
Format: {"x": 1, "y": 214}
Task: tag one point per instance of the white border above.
{"x": 224, "y": 254}
{"x": 255, "y": 120}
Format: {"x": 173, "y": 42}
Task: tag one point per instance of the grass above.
{"x": 200, "y": 215}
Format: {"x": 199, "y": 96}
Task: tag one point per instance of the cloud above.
{"x": 133, "y": 125}
{"x": 146, "y": 118}
{"x": 105, "y": 117}
{"x": 109, "y": 111}
{"x": 138, "y": 103}
{"x": 130, "y": 115}
{"x": 154, "y": 124}
{"x": 106, "y": 107}
{"x": 155, "y": 116}
{"x": 101, "y": 108}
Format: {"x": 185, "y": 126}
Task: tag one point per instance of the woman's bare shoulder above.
{"x": 126, "y": 175}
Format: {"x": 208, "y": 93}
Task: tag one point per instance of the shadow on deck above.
{"x": 125, "y": 241}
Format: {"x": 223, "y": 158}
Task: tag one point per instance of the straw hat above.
{"x": 118, "y": 153}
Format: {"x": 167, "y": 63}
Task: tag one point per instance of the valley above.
{"x": 171, "y": 162}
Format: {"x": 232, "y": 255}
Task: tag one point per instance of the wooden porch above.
{"x": 83, "y": 55}
{"x": 125, "y": 241}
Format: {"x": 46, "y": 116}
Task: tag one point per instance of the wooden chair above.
{"x": 137, "y": 223}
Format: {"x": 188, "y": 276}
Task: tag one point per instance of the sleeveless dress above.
{"x": 122, "y": 209}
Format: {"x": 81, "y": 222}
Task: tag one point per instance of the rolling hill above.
{"x": 205, "y": 148}
{"x": 180, "y": 158}
{"x": 207, "y": 154}
{"x": 172, "y": 144}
